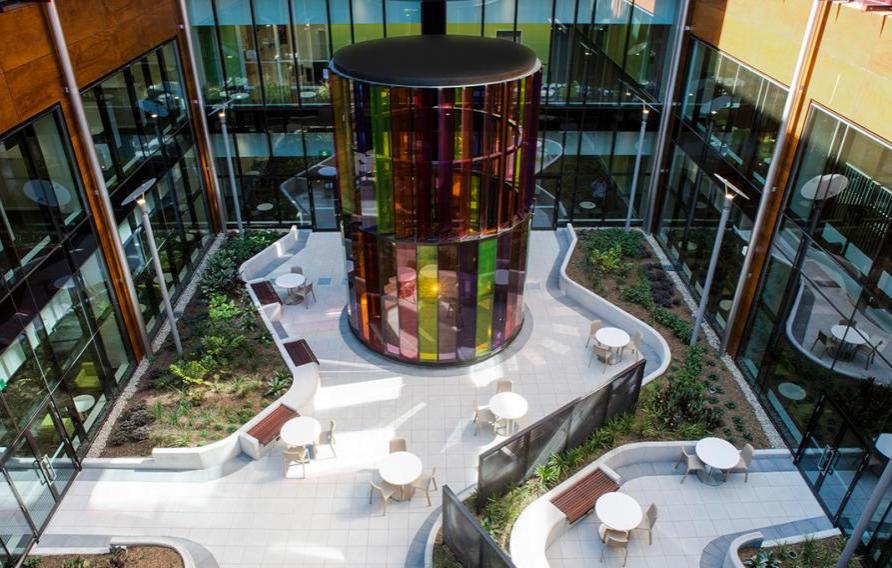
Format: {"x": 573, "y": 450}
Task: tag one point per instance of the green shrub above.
{"x": 190, "y": 372}
{"x": 221, "y": 274}
{"x": 222, "y": 309}
{"x": 278, "y": 384}
{"x": 762, "y": 559}
{"x": 631, "y": 244}
{"x": 679, "y": 327}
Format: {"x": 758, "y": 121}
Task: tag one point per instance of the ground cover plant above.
{"x": 810, "y": 553}
{"x": 229, "y": 371}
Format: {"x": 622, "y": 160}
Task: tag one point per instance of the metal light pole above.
{"x": 221, "y": 113}
{"x": 730, "y": 193}
{"x": 637, "y": 169}
{"x": 139, "y": 196}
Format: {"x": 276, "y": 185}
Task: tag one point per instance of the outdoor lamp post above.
{"x": 637, "y": 169}
{"x": 730, "y": 193}
{"x": 139, "y": 196}
{"x": 221, "y": 113}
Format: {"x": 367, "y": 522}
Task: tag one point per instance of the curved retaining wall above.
{"x": 300, "y": 396}
{"x": 541, "y": 522}
{"x": 612, "y": 313}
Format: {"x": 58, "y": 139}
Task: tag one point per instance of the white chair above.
{"x": 613, "y": 538}
{"x": 304, "y": 293}
{"x": 424, "y": 483}
{"x": 650, "y": 519}
{"x": 592, "y": 330}
{"x": 634, "y": 345}
{"x": 746, "y": 458}
{"x": 295, "y": 456}
{"x": 385, "y": 490}
{"x": 397, "y": 445}
{"x": 693, "y": 464}
{"x": 604, "y": 354}
{"x": 327, "y": 438}
{"x": 482, "y": 414}
{"x": 505, "y": 385}
{"x": 297, "y": 270}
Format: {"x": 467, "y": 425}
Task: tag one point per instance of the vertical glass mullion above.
{"x": 486, "y": 271}
{"x": 428, "y": 293}
{"x": 380, "y": 110}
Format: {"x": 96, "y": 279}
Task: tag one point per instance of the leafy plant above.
{"x": 762, "y": 559}
{"x": 77, "y": 562}
{"x": 190, "y": 372}
{"x": 278, "y": 384}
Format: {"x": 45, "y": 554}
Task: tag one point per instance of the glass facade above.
{"x": 602, "y": 61}
{"x": 63, "y": 350}
{"x": 727, "y": 125}
{"x": 822, "y": 325}
{"x": 436, "y": 188}
{"x": 140, "y": 123}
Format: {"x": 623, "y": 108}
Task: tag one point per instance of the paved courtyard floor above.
{"x": 254, "y": 516}
{"x": 692, "y": 515}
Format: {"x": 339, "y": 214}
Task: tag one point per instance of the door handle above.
{"x": 41, "y": 477}
{"x": 826, "y": 456}
{"x": 48, "y": 468}
{"x": 834, "y": 459}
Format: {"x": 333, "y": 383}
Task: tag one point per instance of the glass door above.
{"x": 547, "y": 199}
{"x": 18, "y": 531}
{"x": 40, "y": 467}
{"x": 832, "y": 457}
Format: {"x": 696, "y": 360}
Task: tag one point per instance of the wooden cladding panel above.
{"x": 35, "y": 86}
{"x": 25, "y": 36}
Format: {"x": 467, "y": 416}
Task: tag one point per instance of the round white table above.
{"x": 587, "y": 205}
{"x": 401, "y": 469}
{"x": 508, "y": 406}
{"x": 64, "y": 282}
{"x": 328, "y": 171}
{"x": 618, "y": 511}
{"x": 850, "y": 338}
{"x": 265, "y": 206}
{"x": 84, "y": 402}
{"x": 614, "y": 338}
{"x": 47, "y": 192}
{"x": 308, "y": 94}
{"x": 291, "y": 281}
{"x": 791, "y": 391}
{"x": 300, "y": 431}
{"x": 849, "y": 334}
{"x": 725, "y": 305}
{"x": 718, "y": 455}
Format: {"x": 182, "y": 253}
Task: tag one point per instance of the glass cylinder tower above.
{"x": 435, "y": 145}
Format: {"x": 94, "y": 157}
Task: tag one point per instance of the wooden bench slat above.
{"x": 580, "y": 498}
{"x": 268, "y": 429}
{"x": 266, "y": 293}
{"x": 300, "y": 352}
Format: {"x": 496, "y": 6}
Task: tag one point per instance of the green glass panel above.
{"x": 340, "y": 94}
{"x": 428, "y": 292}
{"x": 475, "y": 203}
{"x": 383, "y": 165}
{"x": 486, "y": 276}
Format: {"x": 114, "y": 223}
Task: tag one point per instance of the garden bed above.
{"x": 697, "y": 397}
{"x": 810, "y": 553}
{"x": 131, "y": 557}
{"x": 634, "y": 280}
{"x": 230, "y": 369}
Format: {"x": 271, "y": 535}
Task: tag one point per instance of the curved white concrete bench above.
{"x": 613, "y": 314}
{"x": 541, "y": 523}
{"x": 251, "y": 268}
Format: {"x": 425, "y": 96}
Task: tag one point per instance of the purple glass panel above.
{"x": 467, "y": 297}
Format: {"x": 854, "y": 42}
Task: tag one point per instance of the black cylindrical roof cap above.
{"x": 435, "y": 61}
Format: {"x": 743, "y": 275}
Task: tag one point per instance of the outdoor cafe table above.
{"x": 718, "y": 455}
{"x": 618, "y": 511}
{"x": 614, "y": 338}
{"x": 400, "y": 469}
{"x": 508, "y": 406}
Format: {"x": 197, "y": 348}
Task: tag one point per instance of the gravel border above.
{"x": 101, "y": 439}
{"x": 774, "y": 437}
